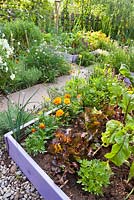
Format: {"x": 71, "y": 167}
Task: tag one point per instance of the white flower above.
{"x": 5, "y": 45}
{"x": 4, "y": 64}
{"x": 6, "y": 69}
{"x": 1, "y": 60}
{"x": 18, "y": 43}
{"x": 12, "y": 76}
{"x": 3, "y": 35}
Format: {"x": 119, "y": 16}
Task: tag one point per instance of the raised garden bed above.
{"x": 38, "y": 175}
{"x": 42, "y": 182}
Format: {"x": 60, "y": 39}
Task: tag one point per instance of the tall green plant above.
{"x": 21, "y": 118}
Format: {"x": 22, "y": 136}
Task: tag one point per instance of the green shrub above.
{"x": 22, "y": 34}
{"x": 50, "y": 63}
{"x": 94, "y": 175}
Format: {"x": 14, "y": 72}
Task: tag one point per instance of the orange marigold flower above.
{"x": 42, "y": 125}
{"x": 67, "y": 101}
{"x": 57, "y": 100}
{"x": 33, "y": 130}
{"x": 59, "y": 113}
{"x": 67, "y": 96}
{"x": 78, "y": 96}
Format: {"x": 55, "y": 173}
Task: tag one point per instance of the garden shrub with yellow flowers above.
{"x": 89, "y": 135}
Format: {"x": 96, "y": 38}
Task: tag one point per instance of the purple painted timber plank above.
{"x": 43, "y": 183}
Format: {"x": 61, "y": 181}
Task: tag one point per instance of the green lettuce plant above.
{"x": 94, "y": 175}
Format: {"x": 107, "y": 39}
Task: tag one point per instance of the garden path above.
{"x": 41, "y": 90}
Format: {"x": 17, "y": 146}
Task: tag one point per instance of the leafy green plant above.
{"x": 94, "y": 175}
{"x": 35, "y": 144}
{"x": 119, "y": 134}
{"x": 39, "y": 133}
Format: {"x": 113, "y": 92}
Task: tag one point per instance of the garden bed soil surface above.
{"x": 117, "y": 190}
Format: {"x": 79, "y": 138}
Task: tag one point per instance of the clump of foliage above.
{"x": 96, "y": 91}
{"x": 41, "y": 132}
{"x": 85, "y": 59}
{"x": 26, "y": 77}
{"x": 17, "y": 123}
{"x": 94, "y": 175}
{"x": 22, "y": 34}
{"x": 13, "y": 112}
{"x": 119, "y": 56}
{"x": 47, "y": 61}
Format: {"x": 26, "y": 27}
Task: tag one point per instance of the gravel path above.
{"x": 13, "y": 184}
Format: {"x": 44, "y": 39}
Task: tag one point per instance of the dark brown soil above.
{"x": 117, "y": 190}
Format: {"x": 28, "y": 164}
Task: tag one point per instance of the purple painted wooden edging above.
{"x": 42, "y": 182}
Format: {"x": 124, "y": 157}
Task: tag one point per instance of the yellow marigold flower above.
{"x": 67, "y": 96}
{"x": 42, "y": 125}
{"x": 67, "y": 101}
{"x": 57, "y": 101}
{"x": 59, "y": 113}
